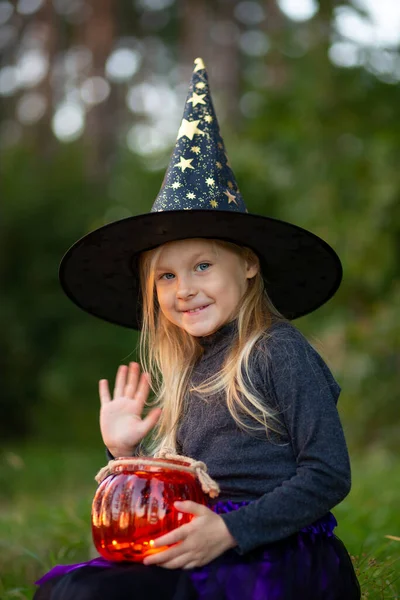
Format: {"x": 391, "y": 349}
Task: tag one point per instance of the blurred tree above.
{"x": 98, "y": 37}
{"x": 45, "y": 28}
{"x": 209, "y": 29}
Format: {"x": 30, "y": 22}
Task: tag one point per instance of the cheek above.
{"x": 225, "y": 292}
{"x": 227, "y": 284}
{"x": 160, "y": 297}
{"x": 164, "y": 298}
{"x": 231, "y": 293}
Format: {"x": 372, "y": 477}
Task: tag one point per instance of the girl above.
{"x": 237, "y": 386}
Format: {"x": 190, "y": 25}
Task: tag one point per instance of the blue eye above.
{"x": 202, "y": 264}
{"x": 165, "y": 276}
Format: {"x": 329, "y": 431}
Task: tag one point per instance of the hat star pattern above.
{"x": 199, "y": 175}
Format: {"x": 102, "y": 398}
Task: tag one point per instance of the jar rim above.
{"x": 150, "y": 464}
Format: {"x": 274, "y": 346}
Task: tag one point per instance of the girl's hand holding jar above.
{"x": 121, "y": 423}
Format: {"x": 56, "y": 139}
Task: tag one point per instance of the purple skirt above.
{"x": 312, "y": 564}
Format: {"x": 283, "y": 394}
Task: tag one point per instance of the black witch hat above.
{"x": 199, "y": 198}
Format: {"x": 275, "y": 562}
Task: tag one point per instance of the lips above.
{"x": 196, "y": 309}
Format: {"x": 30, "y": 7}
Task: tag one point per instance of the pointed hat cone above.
{"x": 199, "y": 175}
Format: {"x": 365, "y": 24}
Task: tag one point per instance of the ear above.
{"x": 252, "y": 268}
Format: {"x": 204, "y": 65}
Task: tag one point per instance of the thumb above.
{"x": 193, "y": 508}
{"x": 151, "y": 420}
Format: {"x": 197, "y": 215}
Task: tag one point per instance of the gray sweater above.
{"x": 294, "y": 476}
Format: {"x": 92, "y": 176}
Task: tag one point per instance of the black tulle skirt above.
{"x": 312, "y": 564}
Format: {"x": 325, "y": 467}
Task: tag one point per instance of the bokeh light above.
{"x": 254, "y": 43}
{"x": 68, "y": 121}
{"x": 31, "y": 107}
{"x": 353, "y": 26}
{"x": 299, "y": 10}
{"x": 380, "y": 26}
{"x": 95, "y": 90}
{"x": 69, "y": 8}
{"x": 32, "y": 68}
{"x": 153, "y": 98}
{"x": 345, "y": 54}
{"x": 29, "y": 7}
{"x": 385, "y": 64}
{"x": 249, "y": 13}
{"x": 154, "y": 4}
{"x": 122, "y": 64}
{"x": 6, "y": 10}
{"x": 385, "y": 18}
{"x": 76, "y": 60}
{"x": 145, "y": 139}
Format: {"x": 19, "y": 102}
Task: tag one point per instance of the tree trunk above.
{"x": 98, "y": 33}
{"x": 45, "y": 24}
{"x": 200, "y": 24}
{"x": 275, "y": 29}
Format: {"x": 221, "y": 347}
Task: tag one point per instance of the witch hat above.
{"x": 199, "y": 198}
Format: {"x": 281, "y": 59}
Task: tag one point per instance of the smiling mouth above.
{"x": 195, "y": 310}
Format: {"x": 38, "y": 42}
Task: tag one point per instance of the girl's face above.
{"x": 193, "y": 274}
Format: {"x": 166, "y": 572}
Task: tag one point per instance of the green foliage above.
{"x": 321, "y": 154}
{"x": 52, "y": 353}
{"x": 45, "y": 513}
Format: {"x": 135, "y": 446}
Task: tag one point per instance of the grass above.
{"x": 46, "y": 495}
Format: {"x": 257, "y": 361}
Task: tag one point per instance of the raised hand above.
{"x": 121, "y": 423}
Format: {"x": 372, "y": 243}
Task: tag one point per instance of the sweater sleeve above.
{"x": 109, "y": 456}
{"x": 306, "y": 393}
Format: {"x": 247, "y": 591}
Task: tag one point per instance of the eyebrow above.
{"x": 192, "y": 259}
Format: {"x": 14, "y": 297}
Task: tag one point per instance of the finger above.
{"x": 185, "y": 561}
{"x": 143, "y": 389}
{"x": 164, "y": 556}
{"x": 120, "y": 381}
{"x": 150, "y": 420}
{"x": 173, "y": 537}
{"x": 104, "y": 392}
{"x": 133, "y": 378}
{"x": 191, "y": 565}
{"x": 129, "y": 391}
{"x": 193, "y": 508}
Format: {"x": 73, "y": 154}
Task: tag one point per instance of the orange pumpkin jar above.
{"x": 134, "y": 504}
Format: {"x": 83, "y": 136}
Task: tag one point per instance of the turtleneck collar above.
{"x": 215, "y": 342}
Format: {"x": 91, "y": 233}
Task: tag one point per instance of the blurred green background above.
{"x": 92, "y": 93}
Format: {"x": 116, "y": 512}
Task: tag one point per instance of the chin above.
{"x": 201, "y": 329}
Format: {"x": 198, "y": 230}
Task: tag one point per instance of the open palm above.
{"x": 121, "y": 423}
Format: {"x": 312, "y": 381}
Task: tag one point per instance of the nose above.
{"x": 185, "y": 288}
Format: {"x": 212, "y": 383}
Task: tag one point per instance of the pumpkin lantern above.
{"x": 134, "y": 503}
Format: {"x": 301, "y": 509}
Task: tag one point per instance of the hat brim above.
{"x": 99, "y": 273}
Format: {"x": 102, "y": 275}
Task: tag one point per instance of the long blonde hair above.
{"x": 168, "y": 353}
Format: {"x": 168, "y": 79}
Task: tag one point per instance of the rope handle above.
{"x": 198, "y": 468}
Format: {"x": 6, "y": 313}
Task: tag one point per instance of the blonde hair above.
{"x": 168, "y": 353}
